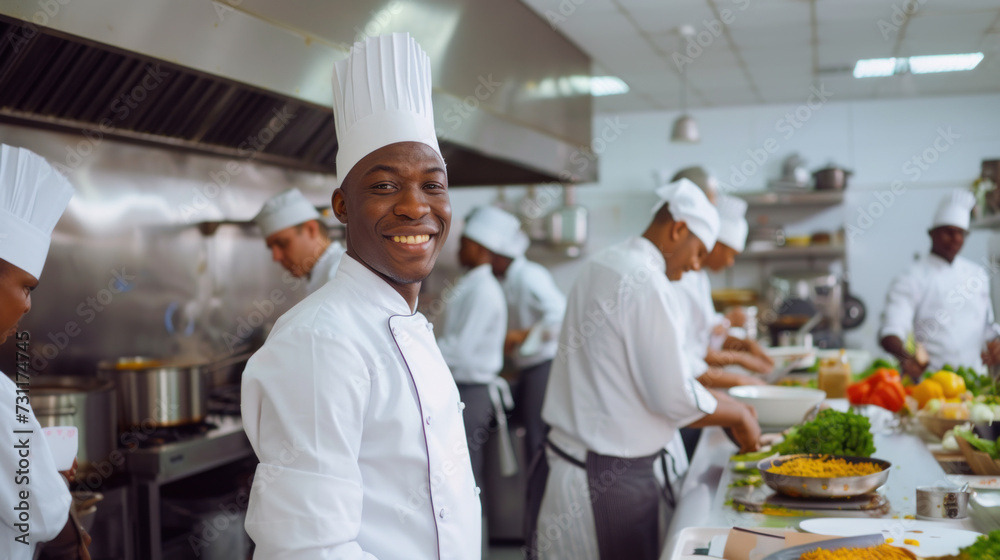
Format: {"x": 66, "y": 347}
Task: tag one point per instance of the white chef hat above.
{"x": 492, "y": 228}
{"x": 733, "y": 226}
{"x": 517, "y": 246}
{"x": 33, "y": 196}
{"x": 285, "y": 210}
{"x": 689, "y": 204}
{"x": 954, "y": 209}
{"x": 381, "y": 96}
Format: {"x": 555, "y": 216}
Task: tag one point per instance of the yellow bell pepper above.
{"x": 927, "y": 389}
{"x": 951, "y": 383}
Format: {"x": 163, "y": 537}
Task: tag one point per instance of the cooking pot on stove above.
{"x": 85, "y": 402}
{"x": 155, "y": 393}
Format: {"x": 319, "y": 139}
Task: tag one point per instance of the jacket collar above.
{"x": 651, "y": 254}
{"x": 372, "y": 288}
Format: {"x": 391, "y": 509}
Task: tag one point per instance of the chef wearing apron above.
{"x": 475, "y": 323}
{"x": 35, "y": 502}
{"x": 298, "y": 238}
{"x": 620, "y": 388}
{"x": 535, "y": 309}
{"x": 349, "y": 405}
{"x": 943, "y": 299}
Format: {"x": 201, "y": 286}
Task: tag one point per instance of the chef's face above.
{"x": 687, "y": 255}
{"x": 720, "y": 258}
{"x": 947, "y": 241}
{"x": 15, "y": 297}
{"x": 472, "y": 254}
{"x": 395, "y": 205}
{"x": 296, "y": 248}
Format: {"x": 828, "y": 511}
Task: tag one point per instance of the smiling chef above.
{"x": 349, "y": 404}
{"x": 619, "y": 390}
{"x": 943, "y": 299}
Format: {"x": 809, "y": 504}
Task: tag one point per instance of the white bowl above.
{"x": 778, "y": 406}
{"x": 804, "y": 357}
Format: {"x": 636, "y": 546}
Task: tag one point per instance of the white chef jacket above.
{"x": 620, "y": 383}
{"x": 326, "y": 267}
{"x": 358, "y": 426}
{"x": 533, "y": 299}
{"x": 695, "y": 292}
{"x": 946, "y": 306}
{"x": 475, "y": 327}
{"x": 48, "y": 496}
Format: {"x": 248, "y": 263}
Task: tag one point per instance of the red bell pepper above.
{"x": 882, "y": 388}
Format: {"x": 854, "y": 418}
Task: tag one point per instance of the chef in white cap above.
{"x": 706, "y": 331}
{"x": 475, "y": 324}
{"x": 943, "y": 299}
{"x": 349, "y": 404}
{"x": 298, "y": 239}
{"x": 620, "y": 388}
{"x": 34, "y": 498}
{"x": 535, "y": 309}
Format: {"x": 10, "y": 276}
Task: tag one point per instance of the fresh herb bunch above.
{"x": 831, "y": 433}
{"x": 986, "y": 547}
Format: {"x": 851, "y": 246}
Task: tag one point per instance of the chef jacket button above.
{"x": 442, "y": 512}
{"x": 430, "y": 326}
{"x": 461, "y": 406}
{"x": 478, "y": 490}
{"x": 428, "y": 419}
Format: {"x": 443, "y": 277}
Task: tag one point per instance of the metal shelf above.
{"x": 811, "y": 252}
{"x": 988, "y": 222}
{"x": 792, "y": 198}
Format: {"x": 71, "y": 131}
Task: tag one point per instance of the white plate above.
{"x": 936, "y": 539}
{"x": 975, "y": 481}
{"x": 778, "y": 406}
{"x": 63, "y": 442}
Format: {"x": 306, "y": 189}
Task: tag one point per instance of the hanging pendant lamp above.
{"x": 685, "y": 128}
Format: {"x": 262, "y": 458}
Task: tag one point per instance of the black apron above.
{"x": 625, "y": 500}
{"x": 528, "y": 399}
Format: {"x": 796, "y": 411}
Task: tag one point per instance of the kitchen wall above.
{"x": 878, "y": 140}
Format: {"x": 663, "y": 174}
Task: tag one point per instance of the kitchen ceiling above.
{"x": 773, "y": 51}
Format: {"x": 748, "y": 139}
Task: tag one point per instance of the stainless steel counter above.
{"x": 703, "y": 494}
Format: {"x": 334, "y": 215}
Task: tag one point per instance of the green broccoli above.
{"x": 831, "y": 433}
{"x": 986, "y": 547}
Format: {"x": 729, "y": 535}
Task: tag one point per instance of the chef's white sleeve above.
{"x": 900, "y": 307}
{"x": 661, "y": 367}
{"x": 48, "y": 497}
{"x": 547, "y": 300}
{"x": 305, "y": 395}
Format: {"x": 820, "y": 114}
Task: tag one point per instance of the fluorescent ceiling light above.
{"x": 571, "y": 86}
{"x": 875, "y": 67}
{"x": 944, "y": 63}
{"x": 878, "y": 67}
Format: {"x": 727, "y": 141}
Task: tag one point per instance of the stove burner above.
{"x": 225, "y": 400}
{"x": 172, "y": 434}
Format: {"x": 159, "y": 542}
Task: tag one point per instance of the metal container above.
{"x": 831, "y": 179}
{"x": 85, "y": 402}
{"x": 157, "y": 393}
{"x": 935, "y": 502}
{"x": 823, "y": 487}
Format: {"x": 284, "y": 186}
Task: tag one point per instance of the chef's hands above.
{"x": 70, "y": 475}
{"x": 740, "y": 419}
{"x": 991, "y": 356}
{"x": 715, "y": 378}
{"x": 514, "y": 339}
{"x": 911, "y": 367}
{"x": 747, "y": 432}
{"x": 753, "y": 363}
{"x": 737, "y": 316}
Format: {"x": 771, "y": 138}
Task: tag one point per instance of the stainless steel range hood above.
{"x": 251, "y": 78}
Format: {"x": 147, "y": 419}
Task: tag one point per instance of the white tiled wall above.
{"x": 875, "y": 139}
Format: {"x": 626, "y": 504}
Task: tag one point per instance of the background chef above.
{"x": 475, "y": 324}
{"x": 621, "y": 387}
{"x": 298, "y": 239}
{"x": 33, "y": 196}
{"x": 535, "y": 309}
{"x": 943, "y": 299}
{"x": 349, "y": 404}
